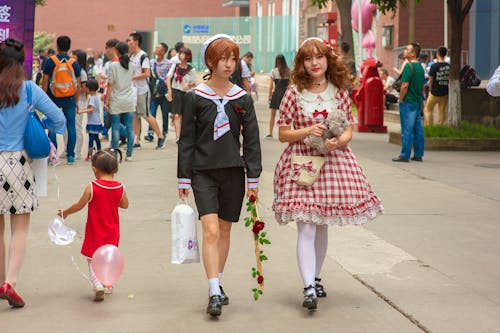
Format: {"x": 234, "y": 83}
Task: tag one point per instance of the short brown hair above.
{"x": 107, "y": 160}
{"x": 336, "y": 72}
{"x": 219, "y": 48}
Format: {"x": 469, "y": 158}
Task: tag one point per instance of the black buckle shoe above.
{"x": 320, "y": 290}
{"x": 310, "y": 300}
{"x": 223, "y": 297}
{"x": 417, "y": 159}
{"x": 214, "y": 307}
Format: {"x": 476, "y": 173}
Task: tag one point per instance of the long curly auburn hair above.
{"x": 336, "y": 72}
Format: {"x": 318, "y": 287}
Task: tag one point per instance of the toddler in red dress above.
{"x": 103, "y": 196}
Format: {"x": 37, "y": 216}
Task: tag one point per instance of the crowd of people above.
{"x": 219, "y": 151}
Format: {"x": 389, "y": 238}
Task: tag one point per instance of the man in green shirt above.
{"x": 412, "y": 133}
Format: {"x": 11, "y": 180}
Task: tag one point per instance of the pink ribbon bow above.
{"x": 298, "y": 167}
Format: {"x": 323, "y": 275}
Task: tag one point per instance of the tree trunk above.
{"x": 457, "y": 15}
{"x": 411, "y": 21}
{"x": 454, "y": 103}
{"x": 344, "y": 7}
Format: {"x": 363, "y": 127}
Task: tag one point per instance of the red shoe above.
{"x": 8, "y": 293}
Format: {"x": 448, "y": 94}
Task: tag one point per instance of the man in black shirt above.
{"x": 438, "y": 86}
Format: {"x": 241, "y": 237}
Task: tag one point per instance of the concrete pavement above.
{"x": 428, "y": 264}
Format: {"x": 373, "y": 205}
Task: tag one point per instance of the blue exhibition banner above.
{"x": 17, "y": 20}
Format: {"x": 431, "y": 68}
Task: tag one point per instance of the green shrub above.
{"x": 467, "y": 130}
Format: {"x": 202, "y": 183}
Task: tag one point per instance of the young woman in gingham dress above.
{"x": 341, "y": 195}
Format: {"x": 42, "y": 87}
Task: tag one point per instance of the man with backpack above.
{"x": 61, "y": 81}
{"x": 410, "y": 103}
{"x": 158, "y": 88}
{"x": 142, "y": 67}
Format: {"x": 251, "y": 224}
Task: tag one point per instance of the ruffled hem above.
{"x": 327, "y": 214}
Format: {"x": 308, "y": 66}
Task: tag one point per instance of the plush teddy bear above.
{"x": 336, "y": 123}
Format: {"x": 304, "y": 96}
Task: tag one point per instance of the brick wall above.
{"x": 91, "y": 25}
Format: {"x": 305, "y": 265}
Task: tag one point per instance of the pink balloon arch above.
{"x": 367, "y": 11}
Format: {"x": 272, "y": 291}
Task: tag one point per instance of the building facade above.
{"x": 98, "y": 21}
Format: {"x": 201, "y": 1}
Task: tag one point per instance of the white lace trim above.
{"x": 315, "y": 218}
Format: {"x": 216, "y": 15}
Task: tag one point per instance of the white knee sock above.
{"x": 320, "y": 245}
{"x": 213, "y": 285}
{"x": 306, "y": 255}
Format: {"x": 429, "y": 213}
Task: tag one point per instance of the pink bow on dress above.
{"x": 298, "y": 167}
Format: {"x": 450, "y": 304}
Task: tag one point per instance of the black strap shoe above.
{"x": 310, "y": 300}
{"x": 417, "y": 159}
{"x": 223, "y": 297}
{"x": 214, "y": 307}
{"x": 320, "y": 290}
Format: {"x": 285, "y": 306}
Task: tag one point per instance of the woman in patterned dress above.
{"x": 341, "y": 195}
{"x": 17, "y": 183}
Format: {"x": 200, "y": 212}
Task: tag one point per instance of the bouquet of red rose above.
{"x": 259, "y": 235}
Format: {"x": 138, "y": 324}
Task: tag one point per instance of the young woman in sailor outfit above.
{"x": 213, "y": 117}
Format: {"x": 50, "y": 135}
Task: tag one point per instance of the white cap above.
{"x": 208, "y": 42}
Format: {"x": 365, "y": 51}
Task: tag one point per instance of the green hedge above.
{"x": 467, "y": 130}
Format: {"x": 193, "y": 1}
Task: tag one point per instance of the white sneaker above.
{"x": 128, "y": 158}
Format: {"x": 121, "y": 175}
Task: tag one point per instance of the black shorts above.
{"x": 219, "y": 191}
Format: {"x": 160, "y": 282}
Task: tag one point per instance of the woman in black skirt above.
{"x": 280, "y": 78}
{"x": 17, "y": 183}
{"x": 180, "y": 79}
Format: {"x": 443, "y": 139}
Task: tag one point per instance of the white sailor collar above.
{"x": 326, "y": 95}
{"x": 203, "y": 90}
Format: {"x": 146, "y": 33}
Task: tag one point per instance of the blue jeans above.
{"x": 412, "y": 133}
{"x": 68, "y": 107}
{"x": 164, "y": 106}
{"x": 115, "y": 130}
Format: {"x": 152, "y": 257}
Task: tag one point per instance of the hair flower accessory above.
{"x": 260, "y": 238}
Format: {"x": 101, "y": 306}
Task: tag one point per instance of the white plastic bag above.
{"x": 39, "y": 166}
{"x": 184, "y": 240}
{"x": 59, "y": 233}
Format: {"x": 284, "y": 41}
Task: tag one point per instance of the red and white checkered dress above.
{"x": 341, "y": 195}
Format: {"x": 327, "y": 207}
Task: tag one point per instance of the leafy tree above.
{"x": 457, "y": 11}
{"x": 43, "y": 41}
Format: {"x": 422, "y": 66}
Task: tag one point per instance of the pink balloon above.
{"x": 368, "y": 41}
{"x": 107, "y": 263}
{"x": 367, "y": 9}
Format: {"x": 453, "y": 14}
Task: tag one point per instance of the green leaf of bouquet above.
{"x": 255, "y": 296}
{"x": 261, "y": 241}
{"x": 263, "y": 257}
{"x": 265, "y": 241}
{"x": 260, "y": 292}
{"x": 263, "y": 234}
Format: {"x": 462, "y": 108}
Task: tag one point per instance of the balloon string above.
{"x": 58, "y": 183}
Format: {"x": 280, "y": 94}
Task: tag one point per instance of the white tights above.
{"x": 312, "y": 243}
